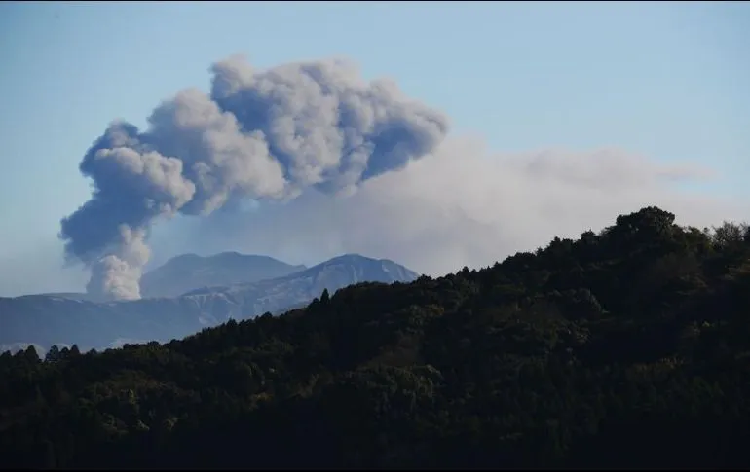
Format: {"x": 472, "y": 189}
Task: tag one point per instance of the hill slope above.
{"x": 626, "y": 349}
{"x": 47, "y": 320}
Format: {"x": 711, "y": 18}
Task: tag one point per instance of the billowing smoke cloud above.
{"x": 261, "y": 135}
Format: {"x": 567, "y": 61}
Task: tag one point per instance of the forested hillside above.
{"x": 630, "y": 348}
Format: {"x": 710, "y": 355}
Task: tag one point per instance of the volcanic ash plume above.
{"x": 258, "y": 135}
{"x": 117, "y": 275}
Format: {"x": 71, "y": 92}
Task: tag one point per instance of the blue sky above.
{"x": 666, "y": 80}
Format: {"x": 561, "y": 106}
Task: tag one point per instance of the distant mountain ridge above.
{"x": 69, "y": 295}
{"x": 348, "y": 268}
{"x": 187, "y": 272}
{"x": 54, "y": 319}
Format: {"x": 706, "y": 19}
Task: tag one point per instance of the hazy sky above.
{"x": 662, "y": 86}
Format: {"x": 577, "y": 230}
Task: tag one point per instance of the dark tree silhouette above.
{"x": 628, "y": 348}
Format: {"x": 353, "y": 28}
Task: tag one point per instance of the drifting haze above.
{"x": 461, "y": 206}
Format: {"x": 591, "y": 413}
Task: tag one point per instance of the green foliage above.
{"x": 630, "y": 348}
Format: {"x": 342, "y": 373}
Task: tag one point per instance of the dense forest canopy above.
{"x": 626, "y": 348}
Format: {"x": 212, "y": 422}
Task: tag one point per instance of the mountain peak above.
{"x": 359, "y": 268}
{"x": 349, "y": 258}
{"x": 355, "y": 258}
